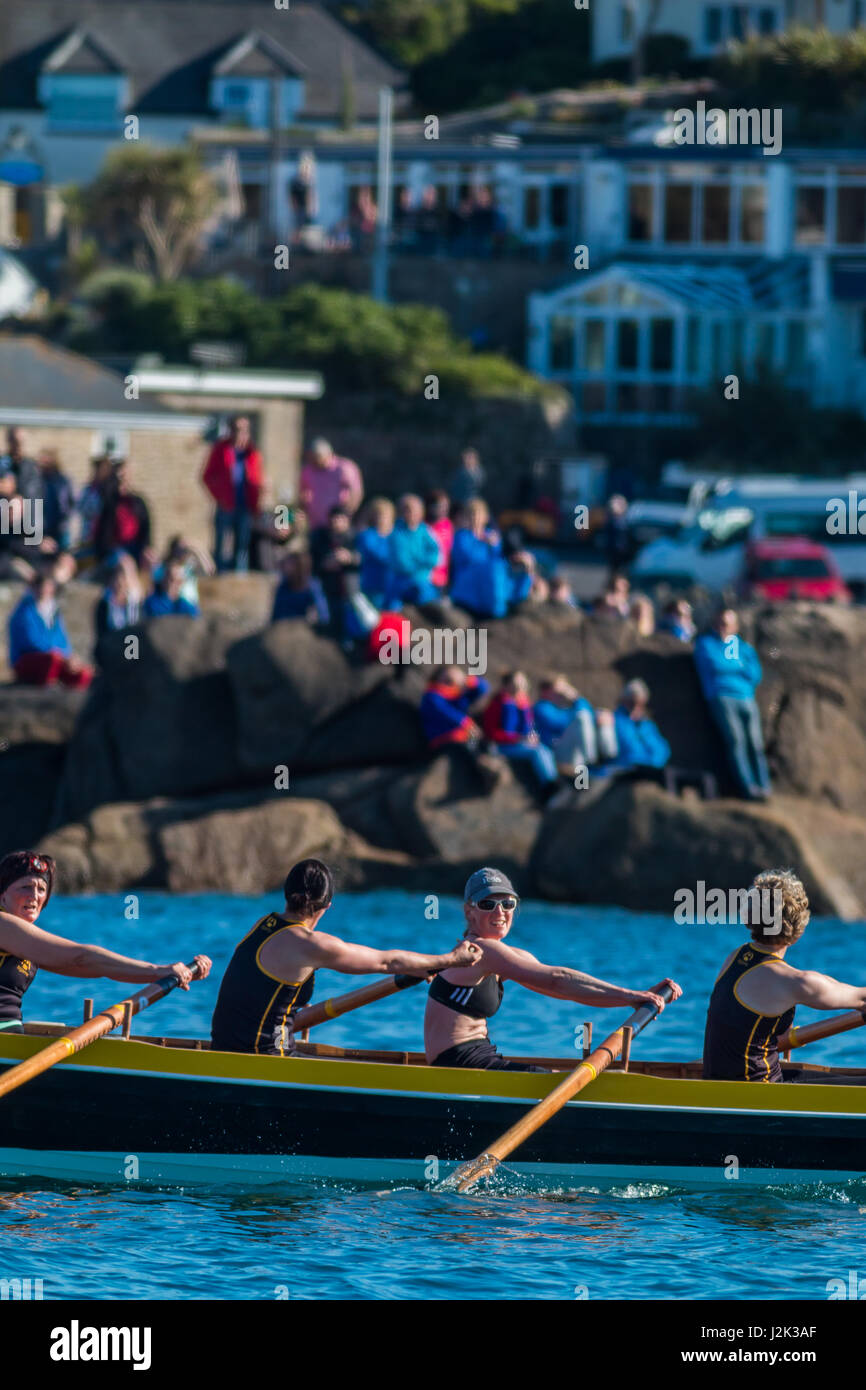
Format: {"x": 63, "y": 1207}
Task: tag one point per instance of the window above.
{"x": 713, "y": 25}
{"x": 678, "y": 212}
{"x": 662, "y": 345}
{"x": 531, "y": 208}
{"x": 561, "y": 343}
{"x": 594, "y": 397}
{"x": 559, "y": 202}
{"x": 739, "y": 21}
{"x": 594, "y": 347}
{"x": 82, "y": 102}
{"x": 765, "y": 344}
{"x": 627, "y": 345}
{"x": 236, "y": 94}
{"x": 811, "y": 216}
{"x": 640, "y": 212}
{"x": 717, "y": 213}
{"x": 851, "y": 216}
{"x": 753, "y": 212}
{"x": 693, "y": 346}
{"x": 795, "y": 353}
{"x": 767, "y": 21}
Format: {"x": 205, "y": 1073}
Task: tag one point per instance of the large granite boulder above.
{"x": 287, "y": 681}
{"x": 632, "y": 844}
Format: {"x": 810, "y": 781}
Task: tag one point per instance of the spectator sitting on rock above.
{"x": 23, "y": 547}
{"x": 167, "y": 598}
{"x": 124, "y": 523}
{"x": 477, "y": 569}
{"x": 336, "y": 564}
{"x": 565, "y": 722}
{"x": 561, "y": 592}
{"x": 438, "y": 509}
{"x": 677, "y": 620}
{"x": 643, "y": 615}
{"x": 234, "y": 478}
{"x": 58, "y": 499}
{"x": 414, "y": 555}
{"x": 298, "y": 594}
{"x": 468, "y": 481}
{"x": 730, "y": 672}
{"x": 373, "y": 544}
{"x": 39, "y": 649}
{"x": 615, "y": 602}
{"x": 327, "y": 482}
{"x": 508, "y": 724}
{"x": 639, "y": 742}
{"x": 445, "y": 706}
{"x": 194, "y": 560}
{"x": 120, "y": 605}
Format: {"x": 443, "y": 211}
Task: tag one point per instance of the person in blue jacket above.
{"x": 373, "y": 544}
{"x": 414, "y": 554}
{"x": 730, "y": 672}
{"x": 639, "y": 741}
{"x": 40, "y": 652}
{"x": 167, "y": 599}
{"x": 298, "y": 594}
{"x": 445, "y": 706}
{"x": 482, "y": 580}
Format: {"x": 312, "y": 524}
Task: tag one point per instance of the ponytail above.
{"x": 309, "y": 888}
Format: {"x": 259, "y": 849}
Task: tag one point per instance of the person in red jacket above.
{"x": 509, "y": 724}
{"x": 233, "y": 477}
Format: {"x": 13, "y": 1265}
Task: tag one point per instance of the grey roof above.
{"x": 747, "y": 283}
{"x": 169, "y": 49}
{"x": 37, "y": 375}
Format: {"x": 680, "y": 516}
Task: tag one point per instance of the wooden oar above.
{"x": 468, "y": 1174}
{"x": 827, "y": 1028}
{"x": 88, "y": 1032}
{"x": 312, "y": 1014}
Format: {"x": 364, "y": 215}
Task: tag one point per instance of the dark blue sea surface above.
{"x": 326, "y": 1241}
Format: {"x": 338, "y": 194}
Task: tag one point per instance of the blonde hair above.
{"x": 380, "y": 509}
{"x": 476, "y": 510}
{"x": 790, "y": 908}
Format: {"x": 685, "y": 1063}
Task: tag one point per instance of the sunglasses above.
{"x": 488, "y": 904}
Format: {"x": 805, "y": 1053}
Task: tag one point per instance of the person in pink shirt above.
{"x": 327, "y": 482}
{"x": 438, "y": 506}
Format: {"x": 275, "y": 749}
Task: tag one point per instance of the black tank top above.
{"x": 475, "y": 1001}
{"x": 254, "y": 1009}
{"x": 739, "y": 1042}
{"x": 16, "y": 977}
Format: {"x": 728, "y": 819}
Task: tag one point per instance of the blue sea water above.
{"x": 339, "y": 1241}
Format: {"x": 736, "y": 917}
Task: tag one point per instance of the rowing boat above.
{"x": 187, "y": 1114}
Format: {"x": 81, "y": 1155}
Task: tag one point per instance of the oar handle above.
{"x": 824, "y": 1028}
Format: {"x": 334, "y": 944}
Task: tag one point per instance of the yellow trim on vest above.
{"x": 265, "y": 1014}
{"x": 742, "y": 977}
{"x": 259, "y": 965}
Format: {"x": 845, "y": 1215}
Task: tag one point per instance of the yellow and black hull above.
{"x": 157, "y": 1112}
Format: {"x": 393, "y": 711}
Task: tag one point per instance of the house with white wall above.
{"x": 707, "y": 25}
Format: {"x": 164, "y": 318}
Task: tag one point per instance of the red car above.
{"x": 792, "y": 568}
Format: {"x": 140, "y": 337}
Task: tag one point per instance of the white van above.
{"x": 672, "y": 504}
{"x": 711, "y": 552}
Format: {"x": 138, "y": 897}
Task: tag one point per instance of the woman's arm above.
{"x": 558, "y": 981}
{"x": 330, "y": 953}
{"x": 55, "y": 953}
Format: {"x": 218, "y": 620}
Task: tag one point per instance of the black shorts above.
{"x": 480, "y": 1053}
{"x": 801, "y": 1077}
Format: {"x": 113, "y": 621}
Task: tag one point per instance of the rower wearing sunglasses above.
{"x": 461, "y": 1001}
{"x": 26, "y": 883}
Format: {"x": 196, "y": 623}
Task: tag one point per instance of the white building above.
{"x": 704, "y": 267}
{"x": 708, "y": 24}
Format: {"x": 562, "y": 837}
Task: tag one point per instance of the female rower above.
{"x": 270, "y": 975}
{"x": 26, "y": 882}
{"x": 461, "y": 1001}
{"x": 757, "y": 991}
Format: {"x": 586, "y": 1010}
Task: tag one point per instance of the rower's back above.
{"x": 740, "y": 1042}
{"x": 255, "y": 1008}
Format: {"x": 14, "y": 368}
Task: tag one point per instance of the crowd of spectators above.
{"x": 347, "y": 568}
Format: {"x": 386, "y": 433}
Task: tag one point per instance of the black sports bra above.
{"x": 475, "y": 1001}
